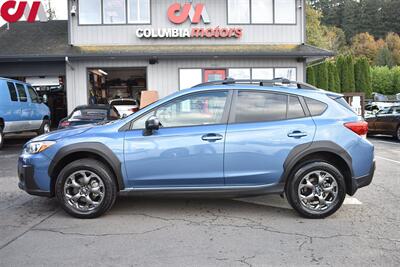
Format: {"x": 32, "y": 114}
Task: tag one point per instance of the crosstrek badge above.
{"x": 13, "y": 11}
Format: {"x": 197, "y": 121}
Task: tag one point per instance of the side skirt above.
{"x": 213, "y": 192}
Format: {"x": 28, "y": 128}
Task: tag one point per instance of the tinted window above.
{"x": 21, "y": 93}
{"x": 124, "y": 103}
{"x": 260, "y": 107}
{"x": 13, "y": 93}
{"x": 89, "y": 114}
{"x": 344, "y": 103}
{"x": 316, "y": 107}
{"x": 193, "y": 110}
{"x": 33, "y": 95}
{"x": 295, "y": 110}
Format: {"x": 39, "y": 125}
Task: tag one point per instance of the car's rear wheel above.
{"x": 44, "y": 128}
{"x": 398, "y": 133}
{"x": 1, "y": 137}
{"x": 86, "y": 189}
{"x": 317, "y": 190}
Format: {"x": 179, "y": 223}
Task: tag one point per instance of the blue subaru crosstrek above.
{"x": 21, "y": 109}
{"x": 225, "y": 139}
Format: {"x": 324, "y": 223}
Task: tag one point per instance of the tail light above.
{"x": 133, "y": 110}
{"x": 359, "y": 127}
{"x": 64, "y": 124}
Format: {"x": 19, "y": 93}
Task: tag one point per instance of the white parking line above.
{"x": 351, "y": 201}
{"x": 391, "y": 160}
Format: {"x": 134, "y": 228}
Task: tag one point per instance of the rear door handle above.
{"x": 297, "y": 134}
{"x": 212, "y": 137}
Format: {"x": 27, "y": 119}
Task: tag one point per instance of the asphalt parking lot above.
{"x": 262, "y": 231}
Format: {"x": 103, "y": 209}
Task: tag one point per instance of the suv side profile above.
{"x": 21, "y": 109}
{"x": 225, "y": 139}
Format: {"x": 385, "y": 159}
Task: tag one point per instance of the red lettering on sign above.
{"x": 178, "y": 14}
{"x": 23, "y": 8}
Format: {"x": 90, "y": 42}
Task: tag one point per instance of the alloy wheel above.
{"x": 398, "y": 133}
{"x": 84, "y": 191}
{"x": 318, "y": 190}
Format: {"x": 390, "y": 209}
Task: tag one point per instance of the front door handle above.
{"x": 212, "y": 137}
{"x": 297, "y": 134}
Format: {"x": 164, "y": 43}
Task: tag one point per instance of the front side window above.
{"x": 138, "y": 11}
{"x": 21, "y": 93}
{"x": 114, "y": 11}
{"x": 194, "y": 110}
{"x": 13, "y": 92}
{"x": 33, "y": 95}
{"x": 260, "y": 107}
{"x": 89, "y": 12}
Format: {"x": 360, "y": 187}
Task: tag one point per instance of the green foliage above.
{"x": 321, "y": 76}
{"x": 333, "y": 78}
{"x": 384, "y": 58}
{"x": 311, "y": 76}
{"x": 345, "y": 65}
{"x": 395, "y": 80}
{"x": 362, "y": 75}
{"x": 382, "y": 80}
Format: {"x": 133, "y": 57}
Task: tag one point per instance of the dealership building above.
{"x": 118, "y": 48}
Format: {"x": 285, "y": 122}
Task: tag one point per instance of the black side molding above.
{"x": 95, "y": 148}
{"x": 303, "y": 150}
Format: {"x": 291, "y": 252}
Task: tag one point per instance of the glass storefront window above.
{"x": 263, "y": 73}
{"x": 240, "y": 74}
{"x": 262, "y": 11}
{"x": 89, "y": 12}
{"x": 189, "y": 78}
{"x": 239, "y": 11}
{"x": 114, "y": 11}
{"x": 285, "y": 11}
{"x": 138, "y": 11}
{"x": 288, "y": 73}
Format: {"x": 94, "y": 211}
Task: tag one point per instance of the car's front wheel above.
{"x": 317, "y": 190}
{"x": 86, "y": 189}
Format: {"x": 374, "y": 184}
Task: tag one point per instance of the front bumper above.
{"x": 27, "y": 181}
{"x": 359, "y": 182}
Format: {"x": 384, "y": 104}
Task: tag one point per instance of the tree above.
{"x": 395, "y": 80}
{"x": 393, "y": 43}
{"x": 331, "y": 38}
{"x": 364, "y": 44}
{"x": 351, "y": 18}
{"x": 321, "y": 76}
{"x": 362, "y": 75}
{"x": 311, "y": 76}
{"x": 384, "y": 58}
{"x": 345, "y": 65}
{"x": 332, "y": 75}
{"x": 382, "y": 81}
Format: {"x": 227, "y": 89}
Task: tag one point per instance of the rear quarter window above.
{"x": 316, "y": 107}
{"x": 22, "y": 93}
{"x": 12, "y": 91}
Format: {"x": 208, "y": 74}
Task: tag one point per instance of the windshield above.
{"x": 89, "y": 114}
{"x": 124, "y": 103}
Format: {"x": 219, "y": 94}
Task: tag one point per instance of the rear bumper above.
{"x": 359, "y": 182}
{"x": 27, "y": 181}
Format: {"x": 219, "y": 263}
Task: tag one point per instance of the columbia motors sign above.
{"x": 13, "y": 11}
{"x": 179, "y": 14}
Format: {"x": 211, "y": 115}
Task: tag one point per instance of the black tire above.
{"x": 397, "y": 135}
{"x": 44, "y": 128}
{"x": 1, "y": 137}
{"x": 102, "y": 172}
{"x": 299, "y": 174}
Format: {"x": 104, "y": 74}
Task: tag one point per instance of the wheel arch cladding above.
{"x": 78, "y": 151}
{"x": 321, "y": 150}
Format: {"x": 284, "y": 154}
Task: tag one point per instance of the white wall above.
{"x": 217, "y": 9}
{"x": 164, "y": 76}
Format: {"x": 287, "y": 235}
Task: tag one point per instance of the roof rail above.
{"x": 273, "y": 82}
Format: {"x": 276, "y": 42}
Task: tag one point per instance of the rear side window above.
{"x": 260, "y": 107}
{"x": 295, "y": 110}
{"x": 316, "y": 107}
{"x": 21, "y": 93}
{"x": 344, "y": 103}
{"x": 13, "y": 92}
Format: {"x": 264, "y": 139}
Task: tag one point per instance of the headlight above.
{"x": 37, "y": 147}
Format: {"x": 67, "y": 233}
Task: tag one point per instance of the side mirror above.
{"x": 152, "y": 124}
